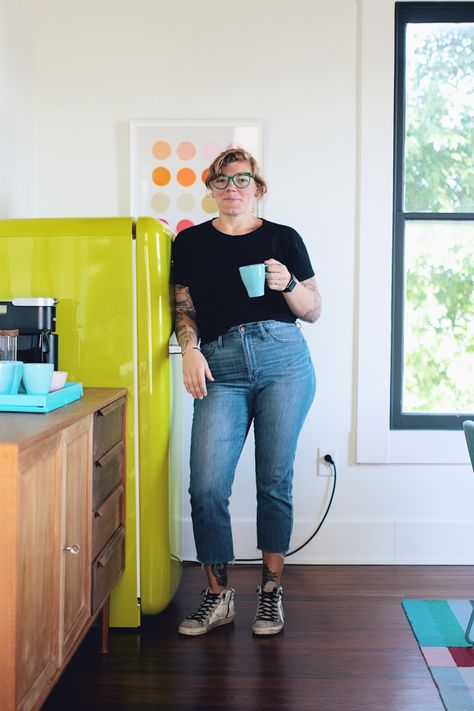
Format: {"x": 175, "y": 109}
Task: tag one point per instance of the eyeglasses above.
{"x": 240, "y": 180}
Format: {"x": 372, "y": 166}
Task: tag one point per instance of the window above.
{"x": 432, "y": 369}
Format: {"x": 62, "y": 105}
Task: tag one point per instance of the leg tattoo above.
{"x": 219, "y": 571}
{"x": 268, "y": 574}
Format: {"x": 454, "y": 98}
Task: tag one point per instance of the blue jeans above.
{"x": 263, "y": 372}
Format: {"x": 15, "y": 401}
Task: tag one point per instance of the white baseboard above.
{"x": 352, "y": 542}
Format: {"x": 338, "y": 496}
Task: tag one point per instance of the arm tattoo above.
{"x": 219, "y": 571}
{"x": 185, "y": 320}
{"x": 314, "y": 313}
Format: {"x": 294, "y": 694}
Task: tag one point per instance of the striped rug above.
{"x": 439, "y": 627}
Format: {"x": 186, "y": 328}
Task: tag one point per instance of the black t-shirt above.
{"x": 207, "y": 262}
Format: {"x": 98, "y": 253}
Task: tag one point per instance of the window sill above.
{"x": 411, "y": 447}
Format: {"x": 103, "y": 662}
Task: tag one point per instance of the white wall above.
{"x": 100, "y": 64}
{"x": 18, "y": 106}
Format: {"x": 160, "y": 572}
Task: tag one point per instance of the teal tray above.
{"x": 41, "y": 403}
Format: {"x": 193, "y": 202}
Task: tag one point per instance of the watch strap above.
{"x": 291, "y": 284}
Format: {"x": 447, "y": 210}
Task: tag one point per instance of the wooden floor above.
{"x": 346, "y": 646}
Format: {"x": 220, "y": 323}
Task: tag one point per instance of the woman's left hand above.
{"x": 277, "y": 275}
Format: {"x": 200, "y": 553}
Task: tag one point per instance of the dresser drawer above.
{"x": 107, "y": 567}
{"x": 106, "y": 519}
{"x": 108, "y": 427}
{"x": 107, "y": 474}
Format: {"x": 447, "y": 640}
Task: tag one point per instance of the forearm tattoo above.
{"x": 185, "y": 321}
{"x": 314, "y": 313}
{"x": 219, "y": 571}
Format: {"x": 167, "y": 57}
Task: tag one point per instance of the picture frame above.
{"x": 168, "y": 163}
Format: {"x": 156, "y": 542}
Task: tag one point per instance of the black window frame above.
{"x": 405, "y": 13}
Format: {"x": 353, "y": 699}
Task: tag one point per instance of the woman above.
{"x": 244, "y": 360}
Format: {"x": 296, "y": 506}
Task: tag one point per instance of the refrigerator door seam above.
{"x": 135, "y": 409}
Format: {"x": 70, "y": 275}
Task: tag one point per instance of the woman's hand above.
{"x": 195, "y": 372}
{"x": 195, "y": 367}
{"x": 277, "y": 275}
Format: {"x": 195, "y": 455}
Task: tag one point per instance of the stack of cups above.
{"x": 36, "y": 377}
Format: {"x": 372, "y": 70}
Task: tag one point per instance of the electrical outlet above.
{"x": 326, "y": 468}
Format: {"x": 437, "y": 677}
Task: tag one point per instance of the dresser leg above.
{"x": 104, "y": 627}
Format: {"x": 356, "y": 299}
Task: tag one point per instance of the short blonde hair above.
{"x": 231, "y": 155}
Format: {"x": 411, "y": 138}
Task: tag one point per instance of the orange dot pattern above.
{"x": 183, "y": 184}
{"x": 161, "y": 176}
{"x": 161, "y": 150}
{"x": 186, "y": 177}
{"x": 186, "y": 150}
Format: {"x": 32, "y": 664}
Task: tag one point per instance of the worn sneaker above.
{"x": 269, "y": 618}
{"x": 215, "y": 609}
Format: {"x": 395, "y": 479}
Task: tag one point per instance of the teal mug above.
{"x": 37, "y": 378}
{"x": 253, "y": 276}
{"x": 17, "y": 374}
{"x": 7, "y": 373}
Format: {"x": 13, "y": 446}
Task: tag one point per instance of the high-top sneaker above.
{"x": 215, "y": 609}
{"x": 269, "y": 618}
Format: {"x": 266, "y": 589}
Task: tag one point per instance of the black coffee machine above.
{"x": 35, "y": 320}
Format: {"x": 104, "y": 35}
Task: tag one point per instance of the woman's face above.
{"x": 233, "y": 201}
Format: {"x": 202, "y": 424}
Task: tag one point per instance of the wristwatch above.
{"x": 291, "y": 284}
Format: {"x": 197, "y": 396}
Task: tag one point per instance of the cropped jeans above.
{"x": 263, "y": 373}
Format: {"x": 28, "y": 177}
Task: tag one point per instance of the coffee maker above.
{"x": 34, "y": 321}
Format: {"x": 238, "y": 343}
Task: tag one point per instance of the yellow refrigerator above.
{"x": 111, "y": 279}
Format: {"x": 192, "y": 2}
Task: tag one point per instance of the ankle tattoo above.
{"x": 219, "y": 571}
{"x": 268, "y": 574}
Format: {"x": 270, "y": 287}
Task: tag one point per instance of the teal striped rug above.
{"x": 439, "y": 627}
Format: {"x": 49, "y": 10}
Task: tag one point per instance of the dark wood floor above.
{"x": 346, "y": 646}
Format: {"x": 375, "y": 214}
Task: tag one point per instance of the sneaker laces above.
{"x": 206, "y": 607}
{"x": 267, "y": 605}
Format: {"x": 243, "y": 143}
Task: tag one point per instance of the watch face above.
{"x": 292, "y": 284}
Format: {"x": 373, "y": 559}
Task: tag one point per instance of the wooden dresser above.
{"x": 62, "y": 542}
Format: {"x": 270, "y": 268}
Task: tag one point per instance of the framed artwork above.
{"x": 169, "y": 162}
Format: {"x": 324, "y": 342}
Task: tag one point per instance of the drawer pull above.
{"x": 98, "y": 513}
{"x": 110, "y": 408}
{"x": 72, "y": 549}
{"x": 110, "y": 550}
{"x": 103, "y": 461}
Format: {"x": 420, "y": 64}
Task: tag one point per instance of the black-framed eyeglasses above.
{"x": 240, "y": 180}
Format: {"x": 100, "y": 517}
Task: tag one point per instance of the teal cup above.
{"x": 253, "y": 276}
{"x": 7, "y": 372}
{"x": 37, "y": 378}
{"x": 17, "y": 373}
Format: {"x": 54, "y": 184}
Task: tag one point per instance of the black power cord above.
{"x": 327, "y": 458}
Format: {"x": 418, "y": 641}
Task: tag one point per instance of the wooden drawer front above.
{"x": 107, "y": 474}
{"x": 106, "y": 519}
{"x": 108, "y": 423}
{"x": 107, "y": 568}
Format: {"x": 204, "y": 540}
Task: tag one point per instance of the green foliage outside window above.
{"x": 439, "y": 318}
{"x": 439, "y": 255}
{"x": 439, "y": 142}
